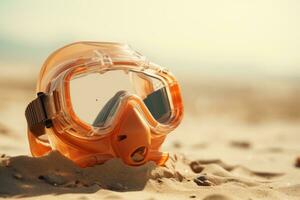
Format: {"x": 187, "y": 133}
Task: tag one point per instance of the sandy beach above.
{"x": 238, "y": 140}
{"x": 238, "y": 66}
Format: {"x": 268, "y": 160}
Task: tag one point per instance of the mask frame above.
{"x": 68, "y": 133}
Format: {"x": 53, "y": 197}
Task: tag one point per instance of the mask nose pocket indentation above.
{"x": 122, "y": 137}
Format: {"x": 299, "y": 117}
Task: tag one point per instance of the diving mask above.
{"x": 98, "y": 101}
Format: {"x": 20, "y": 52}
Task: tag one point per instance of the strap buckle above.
{"x": 36, "y": 115}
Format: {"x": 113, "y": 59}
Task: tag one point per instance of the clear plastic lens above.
{"x": 95, "y": 97}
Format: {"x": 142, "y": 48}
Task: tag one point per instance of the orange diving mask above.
{"x": 98, "y": 101}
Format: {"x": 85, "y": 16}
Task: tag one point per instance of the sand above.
{"x": 237, "y": 141}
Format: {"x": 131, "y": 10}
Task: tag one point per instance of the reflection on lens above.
{"x": 95, "y": 97}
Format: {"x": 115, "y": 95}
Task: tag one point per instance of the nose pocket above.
{"x": 108, "y": 109}
{"x": 132, "y": 140}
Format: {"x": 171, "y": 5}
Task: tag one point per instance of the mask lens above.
{"x": 154, "y": 95}
{"x": 96, "y": 97}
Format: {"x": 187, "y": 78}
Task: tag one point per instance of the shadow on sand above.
{"x": 24, "y": 176}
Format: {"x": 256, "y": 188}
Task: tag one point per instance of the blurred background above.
{"x": 236, "y": 60}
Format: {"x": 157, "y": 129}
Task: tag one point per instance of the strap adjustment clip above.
{"x": 36, "y": 115}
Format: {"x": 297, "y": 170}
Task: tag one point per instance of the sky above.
{"x": 190, "y": 36}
